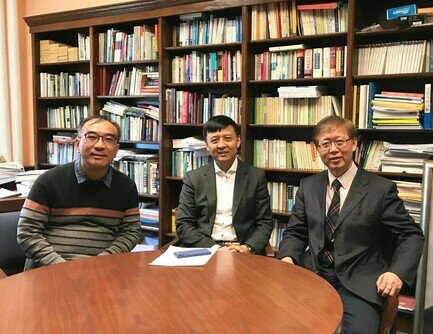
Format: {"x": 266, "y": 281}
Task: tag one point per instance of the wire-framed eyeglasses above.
{"x": 339, "y": 143}
{"x": 93, "y": 138}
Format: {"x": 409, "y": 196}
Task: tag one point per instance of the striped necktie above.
{"x": 330, "y": 222}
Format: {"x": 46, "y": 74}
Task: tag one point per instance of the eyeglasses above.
{"x": 339, "y": 143}
{"x": 93, "y": 138}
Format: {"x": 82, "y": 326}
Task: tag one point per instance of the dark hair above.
{"x": 217, "y": 123}
{"x": 334, "y": 121}
{"x": 97, "y": 119}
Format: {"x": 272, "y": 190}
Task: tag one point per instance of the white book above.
{"x": 286, "y": 47}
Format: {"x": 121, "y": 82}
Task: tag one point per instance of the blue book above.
{"x": 393, "y": 13}
{"x": 373, "y": 89}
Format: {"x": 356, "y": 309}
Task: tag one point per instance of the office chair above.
{"x": 12, "y": 257}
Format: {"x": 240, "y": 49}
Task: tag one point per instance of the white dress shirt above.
{"x": 346, "y": 181}
{"x": 225, "y": 185}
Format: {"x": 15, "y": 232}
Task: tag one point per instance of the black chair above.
{"x": 12, "y": 257}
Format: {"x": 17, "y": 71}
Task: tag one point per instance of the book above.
{"x": 323, "y": 5}
{"x": 286, "y": 47}
{"x": 395, "y": 12}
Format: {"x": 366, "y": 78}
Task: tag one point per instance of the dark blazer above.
{"x": 372, "y": 209}
{"x": 252, "y": 215}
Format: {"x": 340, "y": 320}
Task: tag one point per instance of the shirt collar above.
{"x": 345, "y": 179}
{"x": 82, "y": 177}
{"x": 232, "y": 169}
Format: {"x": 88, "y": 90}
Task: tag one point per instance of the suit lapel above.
{"x": 209, "y": 185}
{"x": 321, "y": 193}
{"x": 357, "y": 192}
{"x": 240, "y": 183}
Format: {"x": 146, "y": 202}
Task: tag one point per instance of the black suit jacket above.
{"x": 252, "y": 215}
{"x": 372, "y": 209}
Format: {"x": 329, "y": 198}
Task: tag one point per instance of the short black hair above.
{"x": 217, "y": 123}
{"x": 331, "y": 121}
{"x": 97, "y": 119}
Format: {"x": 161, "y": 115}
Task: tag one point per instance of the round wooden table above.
{"x": 233, "y": 293}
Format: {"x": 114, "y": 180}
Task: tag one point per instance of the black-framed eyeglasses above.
{"x": 339, "y": 143}
{"x": 93, "y": 138}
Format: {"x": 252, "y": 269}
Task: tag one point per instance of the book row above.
{"x": 322, "y": 20}
{"x": 135, "y": 128}
{"x": 119, "y": 46}
{"x": 187, "y": 107}
{"x": 280, "y": 154}
{"x": 207, "y": 67}
{"x": 285, "y": 19}
{"x": 296, "y": 111}
{"x": 301, "y": 63}
{"x": 64, "y": 84}
{"x": 381, "y": 109}
{"x": 282, "y": 196}
{"x": 53, "y": 52}
{"x": 134, "y": 82}
{"x": 277, "y": 233}
{"x": 145, "y": 174}
{"x": 208, "y": 31}
{"x": 67, "y": 117}
{"x": 60, "y": 153}
{"x": 186, "y": 160}
{"x": 395, "y": 57}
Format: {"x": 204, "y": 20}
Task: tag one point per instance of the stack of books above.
{"x": 410, "y": 193}
{"x": 405, "y": 158}
{"x": 392, "y": 110}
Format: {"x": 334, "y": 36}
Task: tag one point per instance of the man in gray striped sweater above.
{"x": 83, "y": 208}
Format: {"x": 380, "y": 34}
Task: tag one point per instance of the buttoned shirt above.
{"x": 82, "y": 177}
{"x": 225, "y": 185}
{"x": 346, "y": 181}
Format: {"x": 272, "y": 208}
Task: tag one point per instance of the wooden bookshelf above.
{"x": 64, "y": 27}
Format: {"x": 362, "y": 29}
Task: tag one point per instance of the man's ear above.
{"x": 77, "y": 144}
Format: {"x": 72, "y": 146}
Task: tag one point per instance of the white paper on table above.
{"x": 168, "y": 259}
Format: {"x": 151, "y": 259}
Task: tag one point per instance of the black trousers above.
{"x": 359, "y": 315}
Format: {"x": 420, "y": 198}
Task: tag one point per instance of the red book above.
{"x": 406, "y": 303}
{"x": 405, "y": 94}
{"x": 332, "y": 61}
{"x": 324, "y": 5}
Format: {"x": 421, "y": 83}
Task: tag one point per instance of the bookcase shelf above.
{"x": 175, "y": 50}
{"x": 128, "y": 63}
{"x": 128, "y": 97}
{"x": 64, "y": 98}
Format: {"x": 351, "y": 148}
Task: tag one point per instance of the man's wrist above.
{"x": 250, "y": 249}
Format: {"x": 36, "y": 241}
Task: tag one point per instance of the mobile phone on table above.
{"x": 192, "y": 252}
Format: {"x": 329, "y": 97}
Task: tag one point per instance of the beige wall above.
{"x": 30, "y": 8}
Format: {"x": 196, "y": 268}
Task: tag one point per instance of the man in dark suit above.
{"x": 225, "y": 202}
{"x": 336, "y": 229}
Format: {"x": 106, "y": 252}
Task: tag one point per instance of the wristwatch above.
{"x": 250, "y": 249}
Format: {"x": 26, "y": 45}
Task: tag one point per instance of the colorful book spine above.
{"x": 427, "y": 107}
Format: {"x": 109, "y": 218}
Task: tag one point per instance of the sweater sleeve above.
{"x": 34, "y": 216}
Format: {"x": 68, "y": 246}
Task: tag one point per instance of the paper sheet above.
{"x": 168, "y": 258}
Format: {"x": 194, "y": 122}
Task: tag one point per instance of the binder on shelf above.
{"x": 427, "y": 107}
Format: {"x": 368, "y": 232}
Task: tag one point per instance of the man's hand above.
{"x": 234, "y": 247}
{"x": 287, "y": 259}
{"x": 388, "y": 284}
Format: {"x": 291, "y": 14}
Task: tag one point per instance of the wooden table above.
{"x": 233, "y": 293}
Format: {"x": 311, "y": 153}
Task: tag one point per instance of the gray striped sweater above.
{"x": 62, "y": 219}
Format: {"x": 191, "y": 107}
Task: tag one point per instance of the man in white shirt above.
{"x": 225, "y": 202}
